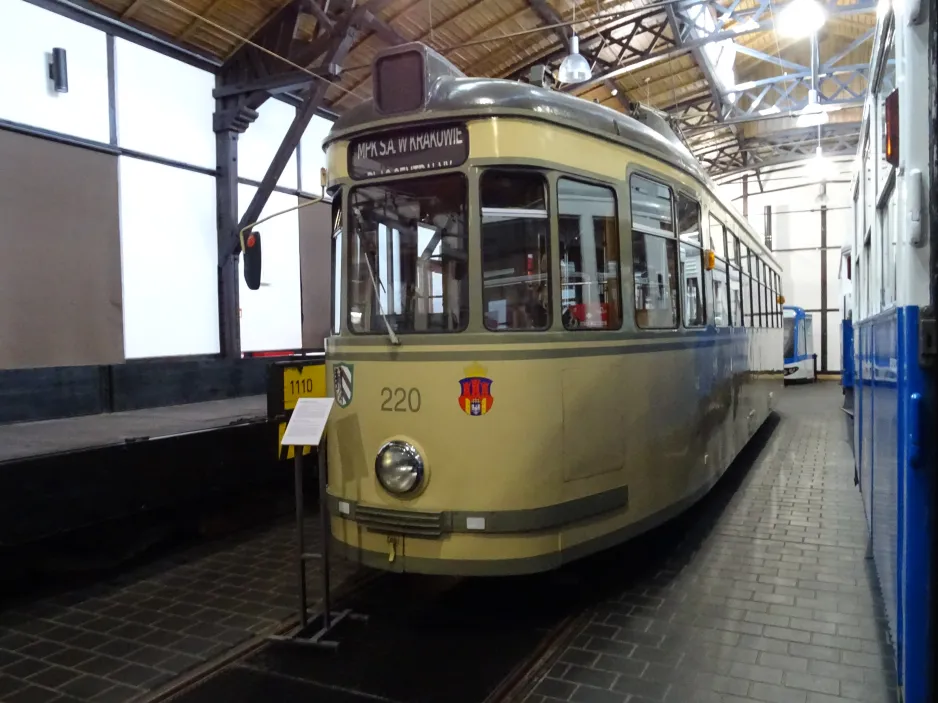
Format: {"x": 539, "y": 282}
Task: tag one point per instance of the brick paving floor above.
{"x": 117, "y": 641}
{"x": 773, "y": 602}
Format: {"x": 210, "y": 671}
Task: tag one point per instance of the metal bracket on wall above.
{"x": 233, "y": 119}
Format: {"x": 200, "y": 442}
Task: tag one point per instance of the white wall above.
{"x": 164, "y": 109}
{"x": 257, "y": 146}
{"x": 796, "y": 227}
{"x": 169, "y": 256}
{"x": 164, "y": 106}
{"x": 26, "y": 93}
{"x": 271, "y": 317}
{"x": 312, "y": 157}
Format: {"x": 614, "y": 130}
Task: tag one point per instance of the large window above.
{"x": 337, "y": 263}
{"x": 692, "y": 264}
{"x": 408, "y": 259}
{"x": 721, "y": 310}
{"x": 515, "y": 250}
{"x": 589, "y": 256}
{"x": 654, "y": 255}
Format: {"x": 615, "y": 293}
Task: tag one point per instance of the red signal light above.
{"x": 891, "y": 147}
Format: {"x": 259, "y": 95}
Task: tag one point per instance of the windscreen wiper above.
{"x": 394, "y": 339}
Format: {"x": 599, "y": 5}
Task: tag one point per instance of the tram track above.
{"x": 447, "y": 639}
{"x": 530, "y": 642}
{"x": 198, "y": 675}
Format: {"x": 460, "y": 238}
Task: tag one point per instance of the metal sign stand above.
{"x": 329, "y": 620}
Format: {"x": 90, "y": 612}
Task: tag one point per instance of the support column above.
{"x": 746, "y": 196}
{"x": 231, "y": 119}
{"x": 226, "y": 198}
{"x": 768, "y": 227}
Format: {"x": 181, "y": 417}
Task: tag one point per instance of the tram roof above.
{"x": 451, "y": 95}
{"x": 454, "y": 97}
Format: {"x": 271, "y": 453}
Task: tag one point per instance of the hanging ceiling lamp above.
{"x": 800, "y": 18}
{"x": 574, "y": 68}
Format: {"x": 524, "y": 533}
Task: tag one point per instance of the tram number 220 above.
{"x": 400, "y": 400}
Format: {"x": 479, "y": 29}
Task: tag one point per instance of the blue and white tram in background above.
{"x": 891, "y": 361}
{"x": 800, "y": 359}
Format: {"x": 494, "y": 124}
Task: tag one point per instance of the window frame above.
{"x": 549, "y": 193}
{"x": 338, "y": 243}
{"x": 700, "y": 251}
{"x": 554, "y": 193}
{"x": 391, "y": 182}
{"x": 744, "y": 276}
{"x": 726, "y": 272}
{"x": 663, "y": 181}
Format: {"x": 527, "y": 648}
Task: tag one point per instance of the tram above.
{"x": 550, "y": 333}
{"x": 891, "y": 271}
{"x": 800, "y": 359}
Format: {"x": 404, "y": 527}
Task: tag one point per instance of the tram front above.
{"x": 419, "y": 475}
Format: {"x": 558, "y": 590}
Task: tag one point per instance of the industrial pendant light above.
{"x": 574, "y": 68}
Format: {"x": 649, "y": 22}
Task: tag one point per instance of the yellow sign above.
{"x": 299, "y": 382}
{"x": 303, "y": 382}
{"x": 287, "y": 383}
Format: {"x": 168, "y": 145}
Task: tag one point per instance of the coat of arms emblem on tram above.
{"x": 476, "y": 396}
{"x": 342, "y": 379}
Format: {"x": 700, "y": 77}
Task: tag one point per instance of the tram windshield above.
{"x": 408, "y": 256}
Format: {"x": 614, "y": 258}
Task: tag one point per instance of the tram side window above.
{"x": 515, "y": 251}
{"x": 408, "y": 256}
{"x": 736, "y": 293}
{"x": 654, "y": 255}
{"x": 337, "y": 263}
{"x": 589, "y": 256}
{"x": 721, "y": 311}
{"x": 692, "y": 264}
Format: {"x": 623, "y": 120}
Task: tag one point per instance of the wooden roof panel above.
{"x": 517, "y": 38}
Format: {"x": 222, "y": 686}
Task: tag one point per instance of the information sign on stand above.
{"x": 308, "y": 422}
{"x": 306, "y": 429}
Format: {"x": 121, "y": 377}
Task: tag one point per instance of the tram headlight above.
{"x": 399, "y": 467}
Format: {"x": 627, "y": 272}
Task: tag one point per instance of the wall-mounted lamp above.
{"x": 58, "y": 70}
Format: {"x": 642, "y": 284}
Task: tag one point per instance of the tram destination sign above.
{"x": 406, "y": 151}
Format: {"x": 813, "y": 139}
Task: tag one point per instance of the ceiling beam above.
{"x": 747, "y": 22}
{"x": 189, "y": 30}
{"x": 549, "y": 15}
